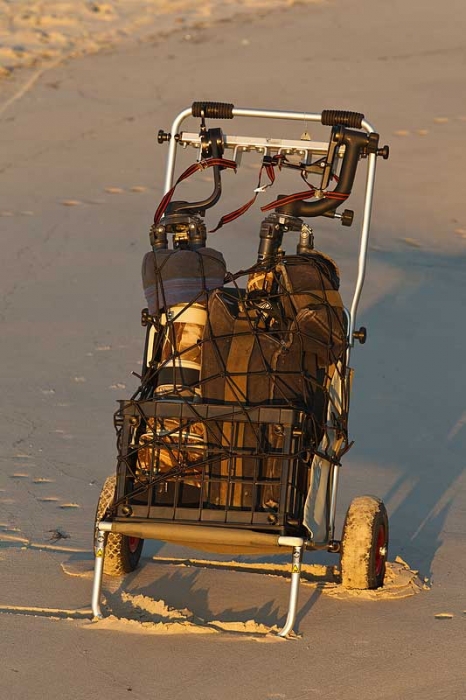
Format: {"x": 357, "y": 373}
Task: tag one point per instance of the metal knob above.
{"x": 360, "y": 335}
{"x": 163, "y": 136}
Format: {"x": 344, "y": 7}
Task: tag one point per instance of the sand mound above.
{"x": 143, "y": 614}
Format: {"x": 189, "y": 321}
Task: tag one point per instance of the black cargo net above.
{"x": 244, "y": 383}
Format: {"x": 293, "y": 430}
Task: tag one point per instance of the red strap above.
{"x": 228, "y": 218}
{"x": 341, "y": 196}
{"x": 201, "y": 165}
{"x": 269, "y": 168}
{"x": 289, "y": 199}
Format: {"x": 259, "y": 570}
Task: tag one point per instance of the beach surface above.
{"x": 36, "y": 32}
{"x": 81, "y": 174}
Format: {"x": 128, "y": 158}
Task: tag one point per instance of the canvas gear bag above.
{"x": 276, "y": 343}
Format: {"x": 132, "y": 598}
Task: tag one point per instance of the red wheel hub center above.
{"x": 133, "y": 543}
{"x": 380, "y": 551}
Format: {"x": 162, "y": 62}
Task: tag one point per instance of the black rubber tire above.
{"x": 364, "y": 544}
{"x": 122, "y": 553}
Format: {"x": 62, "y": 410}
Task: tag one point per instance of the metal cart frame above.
{"x": 250, "y": 540}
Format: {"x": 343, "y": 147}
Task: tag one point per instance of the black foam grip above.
{"x": 332, "y": 117}
{"x": 213, "y": 110}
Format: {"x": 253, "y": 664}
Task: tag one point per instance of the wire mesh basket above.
{"x": 212, "y": 464}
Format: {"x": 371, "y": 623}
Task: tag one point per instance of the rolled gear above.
{"x": 172, "y": 277}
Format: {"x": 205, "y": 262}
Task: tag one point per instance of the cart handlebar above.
{"x": 332, "y": 117}
{"x": 212, "y": 110}
{"x": 224, "y": 110}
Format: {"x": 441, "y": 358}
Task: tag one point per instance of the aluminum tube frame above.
{"x": 100, "y": 544}
{"x": 306, "y": 117}
{"x": 296, "y": 543}
{"x": 297, "y": 558}
{"x": 333, "y": 501}
{"x": 364, "y": 243}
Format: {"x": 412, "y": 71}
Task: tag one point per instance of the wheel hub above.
{"x": 133, "y": 543}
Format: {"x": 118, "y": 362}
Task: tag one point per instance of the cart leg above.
{"x": 100, "y": 542}
{"x": 293, "y": 604}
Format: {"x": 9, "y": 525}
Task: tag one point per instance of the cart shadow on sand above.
{"x": 170, "y": 590}
{"x": 202, "y": 587}
{"x": 409, "y": 405}
{"x": 187, "y": 595}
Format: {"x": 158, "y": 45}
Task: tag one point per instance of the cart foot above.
{"x": 100, "y": 543}
{"x": 294, "y": 591}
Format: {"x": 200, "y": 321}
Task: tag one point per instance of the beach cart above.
{"x": 234, "y": 439}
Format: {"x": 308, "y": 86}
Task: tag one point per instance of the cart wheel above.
{"x": 364, "y": 545}
{"x": 122, "y": 553}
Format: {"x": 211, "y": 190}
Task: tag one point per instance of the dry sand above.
{"x": 38, "y": 31}
{"x": 80, "y": 176}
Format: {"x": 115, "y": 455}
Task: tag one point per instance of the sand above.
{"x": 80, "y": 177}
{"x": 136, "y": 613}
{"x": 33, "y": 32}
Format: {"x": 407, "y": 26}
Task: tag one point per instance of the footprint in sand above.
{"x": 401, "y": 132}
{"x": 138, "y": 188}
{"x": 441, "y": 120}
{"x": 103, "y": 348}
{"x": 69, "y": 506}
{"x": 42, "y": 480}
{"x": 114, "y": 190}
{"x": 7, "y": 501}
{"x": 71, "y": 202}
{"x": 422, "y": 132}
{"x": 443, "y": 616}
{"x": 48, "y": 392}
{"x": 6, "y": 213}
{"x": 26, "y": 212}
{"x": 79, "y": 380}
{"x": 20, "y": 475}
{"x": 48, "y": 499}
{"x": 117, "y": 386}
